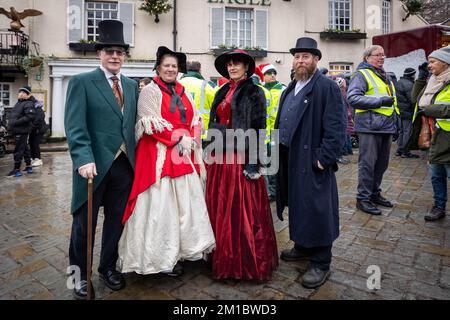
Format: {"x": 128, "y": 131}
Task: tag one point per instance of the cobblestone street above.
{"x": 413, "y": 255}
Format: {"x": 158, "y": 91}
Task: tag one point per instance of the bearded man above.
{"x": 311, "y": 121}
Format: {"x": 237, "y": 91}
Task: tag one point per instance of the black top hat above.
{"x": 181, "y": 57}
{"x": 110, "y": 33}
{"x": 222, "y": 60}
{"x": 306, "y": 44}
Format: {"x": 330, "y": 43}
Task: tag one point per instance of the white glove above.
{"x": 187, "y": 144}
{"x": 319, "y": 165}
{"x": 88, "y": 171}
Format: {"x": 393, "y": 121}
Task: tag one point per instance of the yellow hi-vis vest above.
{"x": 203, "y": 95}
{"x": 272, "y": 111}
{"x": 443, "y": 97}
{"x": 268, "y": 96}
{"x": 378, "y": 88}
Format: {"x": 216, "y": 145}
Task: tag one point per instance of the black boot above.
{"x": 315, "y": 277}
{"x": 368, "y": 207}
{"x": 293, "y": 254}
{"x": 113, "y": 279}
{"x": 382, "y": 201}
{"x": 435, "y": 214}
{"x": 176, "y": 271}
{"x": 80, "y": 291}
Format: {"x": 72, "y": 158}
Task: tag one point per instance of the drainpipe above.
{"x": 174, "y": 25}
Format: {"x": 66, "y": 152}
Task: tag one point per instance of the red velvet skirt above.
{"x": 241, "y": 219}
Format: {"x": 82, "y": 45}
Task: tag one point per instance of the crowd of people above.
{"x": 169, "y": 197}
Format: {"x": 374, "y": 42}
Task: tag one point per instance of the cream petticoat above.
{"x": 170, "y": 222}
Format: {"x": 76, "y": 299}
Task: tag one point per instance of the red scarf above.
{"x": 224, "y": 109}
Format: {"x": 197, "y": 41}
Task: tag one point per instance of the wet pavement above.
{"x": 411, "y": 256}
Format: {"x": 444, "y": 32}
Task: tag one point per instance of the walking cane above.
{"x": 89, "y": 239}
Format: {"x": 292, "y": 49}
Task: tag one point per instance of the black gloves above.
{"x": 387, "y": 101}
{"x": 398, "y": 127}
{"x": 423, "y": 71}
{"x": 251, "y": 171}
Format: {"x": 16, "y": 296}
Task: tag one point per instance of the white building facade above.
{"x": 202, "y": 29}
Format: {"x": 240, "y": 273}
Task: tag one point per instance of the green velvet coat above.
{"x": 95, "y": 127}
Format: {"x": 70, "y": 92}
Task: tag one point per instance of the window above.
{"x": 338, "y": 68}
{"x": 238, "y": 27}
{"x": 243, "y": 28}
{"x": 5, "y": 94}
{"x": 96, "y": 12}
{"x": 386, "y": 16}
{"x": 340, "y": 13}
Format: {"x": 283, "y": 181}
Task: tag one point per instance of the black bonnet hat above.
{"x": 220, "y": 62}
{"x": 181, "y": 57}
{"x": 110, "y": 33}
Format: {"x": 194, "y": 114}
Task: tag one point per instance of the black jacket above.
{"x": 22, "y": 116}
{"x": 404, "y": 102}
{"x": 311, "y": 193}
{"x": 38, "y": 124}
{"x": 248, "y": 111}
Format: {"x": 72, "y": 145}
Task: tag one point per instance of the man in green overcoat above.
{"x": 100, "y": 114}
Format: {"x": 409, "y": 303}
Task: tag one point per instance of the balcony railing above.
{"x": 13, "y": 47}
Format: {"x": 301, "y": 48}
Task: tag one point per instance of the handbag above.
{"x": 425, "y": 134}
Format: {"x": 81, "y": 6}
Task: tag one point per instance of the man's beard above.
{"x": 305, "y": 73}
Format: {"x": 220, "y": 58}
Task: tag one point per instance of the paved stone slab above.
{"x": 413, "y": 255}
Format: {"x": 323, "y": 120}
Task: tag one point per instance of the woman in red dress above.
{"x": 166, "y": 219}
{"x": 236, "y": 195}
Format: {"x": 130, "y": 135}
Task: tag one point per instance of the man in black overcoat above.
{"x": 311, "y": 123}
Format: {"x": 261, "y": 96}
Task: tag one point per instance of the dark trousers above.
{"x": 348, "y": 145}
{"x": 405, "y": 133}
{"x": 35, "y": 140}
{"x": 21, "y": 151}
{"x": 374, "y": 151}
{"x": 112, "y": 194}
{"x": 440, "y": 173}
{"x": 319, "y": 257}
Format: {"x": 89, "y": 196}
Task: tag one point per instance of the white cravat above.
{"x": 300, "y": 85}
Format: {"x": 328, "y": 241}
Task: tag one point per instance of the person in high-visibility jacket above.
{"x": 275, "y": 88}
{"x": 201, "y": 91}
{"x": 433, "y": 99}
{"x": 256, "y": 77}
{"x": 372, "y": 95}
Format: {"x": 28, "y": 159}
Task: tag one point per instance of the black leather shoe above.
{"x": 81, "y": 292}
{"x": 368, "y": 207}
{"x": 315, "y": 277}
{"x": 293, "y": 255}
{"x": 176, "y": 272}
{"x": 410, "y": 155}
{"x": 382, "y": 201}
{"x": 435, "y": 214}
{"x": 342, "y": 160}
{"x": 113, "y": 279}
